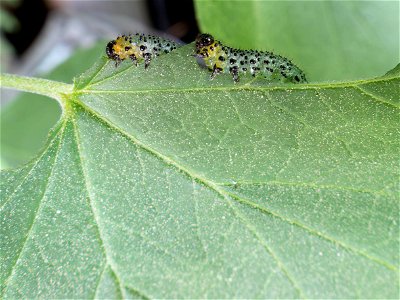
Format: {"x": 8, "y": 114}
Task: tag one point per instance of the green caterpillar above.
{"x": 138, "y": 47}
{"x": 223, "y": 59}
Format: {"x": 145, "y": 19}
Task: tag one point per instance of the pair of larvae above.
{"x": 217, "y": 57}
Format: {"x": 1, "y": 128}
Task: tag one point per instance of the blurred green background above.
{"x": 329, "y": 40}
{"x": 26, "y": 121}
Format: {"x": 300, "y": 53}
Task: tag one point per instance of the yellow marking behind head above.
{"x": 214, "y": 55}
{"x": 124, "y": 49}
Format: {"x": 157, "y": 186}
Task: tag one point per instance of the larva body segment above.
{"x": 223, "y": 59}
{"x": 138, "y": 47}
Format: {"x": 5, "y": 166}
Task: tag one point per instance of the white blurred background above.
{"x": 38, "y": 35}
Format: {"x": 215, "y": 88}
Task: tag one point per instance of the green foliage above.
{"x": 8, "y": 23}
{"x": 25, "y": 122}
{"x": 164, "y": 184}
{"x": 330, "y": 40}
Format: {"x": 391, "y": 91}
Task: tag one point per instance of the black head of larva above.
{"x": 110, "y": 50}
{"x": 204, "y": 40}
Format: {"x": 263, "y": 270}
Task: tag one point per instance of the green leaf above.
{"x": 330, "y": 40}
{"x": 161, "y": 183}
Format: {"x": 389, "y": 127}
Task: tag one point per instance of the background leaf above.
{"x": 329, "y": 40}
{"x": 26, "y": 121}
{"x": 164, "y": 184}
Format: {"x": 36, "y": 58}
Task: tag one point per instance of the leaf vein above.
{"x": 303, "y": 185}
{"x": 28, "y": 173}
{"x": 244, "y": 87}
{"x": 278, "y": 261}
{"x": 59, "y": 137}
{"x": 312, "y": 231}
{"x": 98, "y": 282}
{"x": 375, "y": 97}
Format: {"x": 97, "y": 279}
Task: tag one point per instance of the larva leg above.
{"x": 134, "y": 59}
{"x": 117, "y": 62}
{"x": 215, "y": 71}
{"x": 147, "y": 60}
{"x": 235, "y": 73}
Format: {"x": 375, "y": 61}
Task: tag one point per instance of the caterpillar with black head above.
{"x": 138, "y": 47}
{"x": 223, "y": 59}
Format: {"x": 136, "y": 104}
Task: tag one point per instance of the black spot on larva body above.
{"x": 127, "y": 48}
{"x": 297, "y": 78}
{"x": 142, "y": 47}
{"x": 252, "y": 61}
{"x": 242, "y": 62}
{"x": 232, "y": 61}
{"x": 221, "y": 58}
